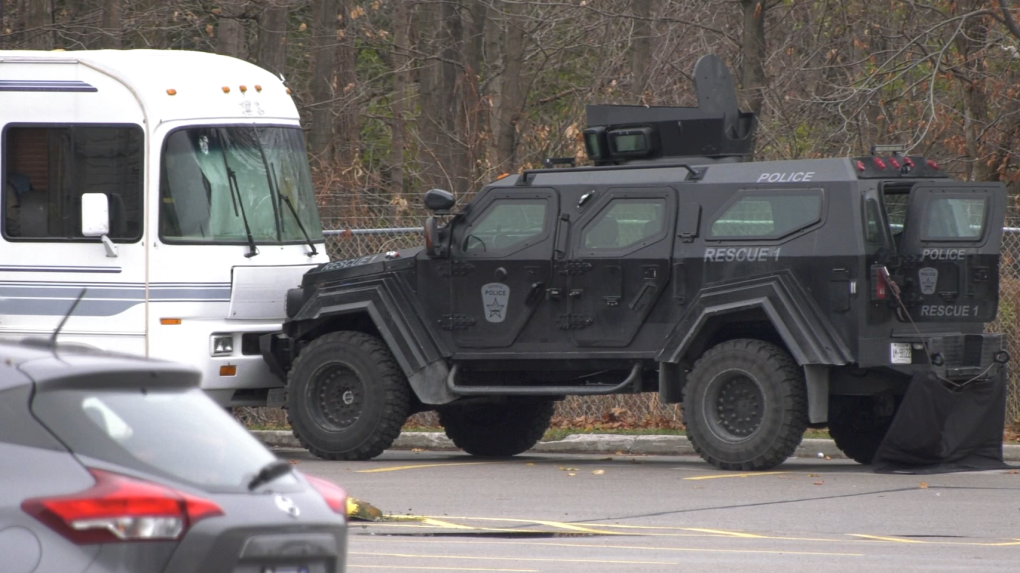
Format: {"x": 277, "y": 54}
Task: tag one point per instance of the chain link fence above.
{"x": 645, "y": 410}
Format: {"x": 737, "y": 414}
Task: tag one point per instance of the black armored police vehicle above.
{"x": 765, "y": 297}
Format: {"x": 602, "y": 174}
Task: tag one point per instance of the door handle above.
{"x": 534, "y": 294}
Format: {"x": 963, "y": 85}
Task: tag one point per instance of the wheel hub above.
{"x": 338, "y": 397}
{"x": 739, "y": 408}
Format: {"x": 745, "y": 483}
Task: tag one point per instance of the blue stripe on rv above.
{"x": 46, "y": 86}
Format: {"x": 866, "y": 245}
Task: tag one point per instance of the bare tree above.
{"x": 231, "y": 29}
{"x": 324, "y": 30}
{"x": 271, "y": 45}
{"x": 111, "y": 24}
{"x": 38, "y": 24}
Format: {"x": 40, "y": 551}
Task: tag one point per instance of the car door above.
{"x": 619, "y": 264}
{"x": 948, "y": 243}
{"x": 501, "y": 263}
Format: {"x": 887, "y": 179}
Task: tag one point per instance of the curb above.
{"x": 602, "y": 444}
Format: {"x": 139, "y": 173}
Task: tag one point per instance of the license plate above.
{"x": 899, "y": 352}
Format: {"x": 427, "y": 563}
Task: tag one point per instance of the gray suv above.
{"x": 115, "y": 463}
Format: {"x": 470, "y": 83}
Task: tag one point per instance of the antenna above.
{"x": 53, "y": 337}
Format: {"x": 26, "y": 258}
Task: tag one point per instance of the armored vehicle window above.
{"x": 47, "y": 169}
{"x": 896, "y": 210}
{"x": 768, "y": 216}
{"x": 505, "y": 224}
{"x": 955, "y": 218}
{"x": 625, "y": 222}
{"x": 873, "y": 222}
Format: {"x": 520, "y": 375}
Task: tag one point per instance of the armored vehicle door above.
{"x": 948, "y": 248}
{"x": 619, "y": 264}
{"x": 501, "y": 262}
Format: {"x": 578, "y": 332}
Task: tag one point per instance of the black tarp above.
{"x": 942, "y": 428}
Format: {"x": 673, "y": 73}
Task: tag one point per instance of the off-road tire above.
{"x": 858, "y": 444}
{"x": 497, "y": 430}
{"x": 333, "y": 369}
{"x": 745, "y": 405}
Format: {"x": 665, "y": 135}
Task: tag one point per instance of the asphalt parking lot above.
{"x": 540, "y": 512}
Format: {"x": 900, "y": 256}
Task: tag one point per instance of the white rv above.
{"x": 173, "y": 187}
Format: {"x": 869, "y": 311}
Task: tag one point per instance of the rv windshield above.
{"x": 220, "y": 184}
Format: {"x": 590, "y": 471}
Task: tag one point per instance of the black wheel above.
{"x": 505, "y": 429}
{"x": 857, "y": 430}
{"x": 745, "y": 405}
{"x": 346, "y": 397}
{"x": 858, "y": 444}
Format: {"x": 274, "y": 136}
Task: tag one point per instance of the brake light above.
{"x": 878, "y": 162}
{"x": 879, "y": 283}
{"x": 908, "y": 162}
{"x": 933, "y": 164}
{"x": 860, "y": 165}
{"x": 335, "y": 496}
{"x": 894, "y": 162}
{"x": 120, "y": 508}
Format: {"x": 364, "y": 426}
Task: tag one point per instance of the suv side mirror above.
{"x": 439, "y": 201}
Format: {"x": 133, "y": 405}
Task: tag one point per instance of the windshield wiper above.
{"x": 277, "y": 216}
{"x": 235, "y": 194}
{"x": 270, "y": 472}
{"x": 293, "y": 211}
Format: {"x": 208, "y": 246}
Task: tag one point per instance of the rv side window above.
{"x": 47, "y": 170}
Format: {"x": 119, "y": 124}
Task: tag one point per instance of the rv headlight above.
{"x": 222, "y": 345}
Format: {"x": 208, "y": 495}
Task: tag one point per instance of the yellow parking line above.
{"x": 882, "y": 538}
{"x": 705, "y": 550}
{"x": 516, "y": 558}
{"x": 556, "y": 524}
{"x": 744, "y": 475}
{"x": 421, "y": 466}
{"x": 727, "y": 533}
{"x": 627, "y": 547}
{"x": 444, "y": 568}
{"x": 446, "y": 524}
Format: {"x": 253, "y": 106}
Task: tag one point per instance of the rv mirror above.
{"x": 95, "y": 215}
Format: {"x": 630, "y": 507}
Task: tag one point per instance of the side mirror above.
{"x": 95, "y": 215}
{"x": 439, "y": 201}
{"x": 95, "y": 219}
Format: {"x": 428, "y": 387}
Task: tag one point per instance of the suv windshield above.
{"x": 177, "y": 433}
{"x": 216, "y": 177}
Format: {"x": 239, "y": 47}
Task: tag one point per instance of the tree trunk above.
{"x": 641, "y": 49}
{"x": 401, "y": 77}
{"x": 324, "y": 31}
{"x": 440, "y": 43}
{"x": 38, "y": 21}
{"x": 111, "y": 25}
{"x": 752, "y": 77}
{"x": 345, "y": 129}
{"x": 969, "y": 43}
{"x": 469, "y": 118}
{"x": 271, "y": 48}
{"x": 511, "y": 105}
{"x": 230, "y": 35}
